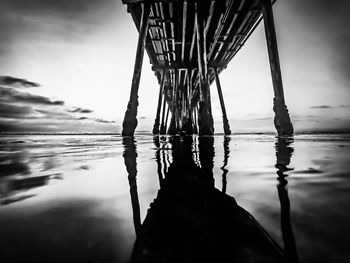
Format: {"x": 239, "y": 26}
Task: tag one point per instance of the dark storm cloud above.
{"x": 27, "y": 97}
{"x": 12, "y": 95}
{"x": 7, "y": 80}
{"x": 15, "y": 111}
{"x": 80, "y": 110}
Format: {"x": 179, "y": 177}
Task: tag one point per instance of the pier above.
{"x": 189, "y": 43}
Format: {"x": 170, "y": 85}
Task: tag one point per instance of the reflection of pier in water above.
{"x": 192, "y": 221}
{"x": 189, "y": 44}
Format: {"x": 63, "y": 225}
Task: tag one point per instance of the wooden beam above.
{"x": 199, "y": 38}
{"x": 193, "y": 41}
{"x": 187, "y": 66}
{"x": 184, "y": 19}
{"x": 235, "y": 25}
{"x": 219, "y": 30}
{"x": 210, "y": 15}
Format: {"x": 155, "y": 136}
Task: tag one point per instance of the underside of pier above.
{"x": 189, "y": 43}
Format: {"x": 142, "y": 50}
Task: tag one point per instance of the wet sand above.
{"x": 67, "y": 198}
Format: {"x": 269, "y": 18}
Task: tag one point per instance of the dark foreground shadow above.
{"x": 190, "y": 220}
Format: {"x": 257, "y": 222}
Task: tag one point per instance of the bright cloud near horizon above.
{"x": 82, "y": 53}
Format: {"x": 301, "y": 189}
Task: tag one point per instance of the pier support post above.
{"x": 156, "y": 121}
{"x": 162, "y": 126}
{"x": 205, "y": 119}
{"x": 189, "y": 126}
{"x": 166, "y": 120}
{"x": 173, "y": 122}
{"x": 195, "y": 120}
{"x": 222, "y": 104}
{"x": 282, "y": 120}
{"x": 130, "y": 120}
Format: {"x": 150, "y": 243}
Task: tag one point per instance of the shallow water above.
{"x": 80, "y": 198}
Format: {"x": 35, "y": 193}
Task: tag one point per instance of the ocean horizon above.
{"x": 149, "y": 132}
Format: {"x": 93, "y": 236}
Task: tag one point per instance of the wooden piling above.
{"x": 166, "y": 119}
{"x": 195, "y": 120}
{"x": 173, "y": 122}
{"x": 282, "y": 120}
{"x": 163, "y": 126}
{"x": 205, "y": 119}
{"x": 130, "y": 120}
{"x": 222, "y": 104}
{"x": 156, "y": 121}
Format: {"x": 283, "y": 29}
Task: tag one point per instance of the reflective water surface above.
{"x": 104, "y": 198}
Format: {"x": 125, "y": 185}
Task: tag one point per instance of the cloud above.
{"x": 12, "y": 95}
{"x": 20, "y": 105}
{"x": 43, "y": 125}
{"x": 262, "y": 119}
{"x": 104, "y": 121}
{"x": 321, "y": 107}
{"x": 15, "y": 111}
{"x": 7, "y": 80}
{"x": 80, "y": 110}
{"x": 56, "y": 114}
{"x": 26, "y": 112}
{"x": 15, "y": 125}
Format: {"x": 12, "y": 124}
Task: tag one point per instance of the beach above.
{"x": 74, "y": 198}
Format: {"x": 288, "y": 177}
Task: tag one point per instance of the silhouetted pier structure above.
{"x": 189, "y": 43}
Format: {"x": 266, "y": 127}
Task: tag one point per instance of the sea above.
{"x": 85, "y": 197}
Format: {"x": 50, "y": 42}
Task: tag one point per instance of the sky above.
{"x": 66, "y": 66}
